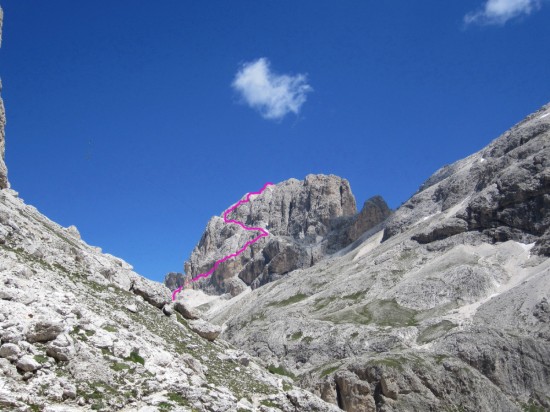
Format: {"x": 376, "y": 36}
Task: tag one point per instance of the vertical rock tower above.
{"x": 3, "y": 169}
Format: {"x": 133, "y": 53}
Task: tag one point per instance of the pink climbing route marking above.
{"x": 263, "y": 233}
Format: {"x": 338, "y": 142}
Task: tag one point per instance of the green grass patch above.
{"x": 307, "y": 339}
{"x": 120, "y": 366}
{"x": 322, "y": 303}
{"x": 165, "y": 406}
{"x": 41, "y": 359}
{"x": 98, "y": 406}
{"x": 290, "y": 301}
{"x": 395, "y": 363}
{"x": 531, "y": 407}
{"x": 134, "y": 357}
{"x": 380, "y": 312}
{"x": 328, "y": 371}
{"x": 110, "y": 328}
{"x": 76, "y": 333}
{"x": 271, "y": 404}
{"x": 435, "y": 331}
{"x": 177, "y": 398}
{"x": 296, "y": 336}
{"x": 90, "y": 332}
{"x": 279, "y": 370}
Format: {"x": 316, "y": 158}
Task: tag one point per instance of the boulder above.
{"x": 152, "y": 292}
{"x": 185, "y": 310}
{"x": 205, "y": 329}
{"x": 44, "y": 330}
{"x": 28, "y": 364}
{"x": 10, "y": 351}
{"x": 62, "y": 348}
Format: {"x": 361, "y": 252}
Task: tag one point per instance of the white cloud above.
{"x": 273, "y": 95}
{"x": 500, "y": 11}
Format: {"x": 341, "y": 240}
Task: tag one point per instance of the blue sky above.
{"x": 129, "y": 119}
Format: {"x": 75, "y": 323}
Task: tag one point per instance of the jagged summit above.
{"x": 307, "y": 220}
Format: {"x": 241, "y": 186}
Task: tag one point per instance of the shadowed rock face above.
{"x": 174, "y": 280}
{"x": 306, "y": 220}
{"x": 3, "y": 170}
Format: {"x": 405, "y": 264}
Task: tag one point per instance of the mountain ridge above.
{"x": 444, "y": 304}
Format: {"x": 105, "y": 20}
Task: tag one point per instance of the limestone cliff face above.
{"x": 306, "y": 219}
{"x": 3, "y": 170}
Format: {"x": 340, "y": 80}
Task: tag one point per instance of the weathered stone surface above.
{"x": 10, "y": 351}
{"x": 303, "y": 401}
{"x": 44, "y": 330}
{"x": 132, "y": 307}
{"x": 205, "y": 329}
{"x": 152, "y": 292}
{"x": 62, "y": 348}
{"x": 442, "y": 230}
{"x": 28, "y": 364}
{"x": 68, "y": 316}
{"x": 174, "y": 280}
{"x": 389, "y": 387}
{"x": 306, "y": 220}
{"x": 353, "y": 394}
{"x": 374, "y": 211}
{"x": 185, "y": 310}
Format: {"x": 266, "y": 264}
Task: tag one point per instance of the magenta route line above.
{"x": 263, "y": 233}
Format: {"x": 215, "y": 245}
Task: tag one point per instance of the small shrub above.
{"x": 296, "y": 336}
{"x": 134, "y": 357}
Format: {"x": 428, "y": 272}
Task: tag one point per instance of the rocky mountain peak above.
{"x": 445, "y": 305}
{"x": 307, "y": 219}
{"x": 500, "y": 192}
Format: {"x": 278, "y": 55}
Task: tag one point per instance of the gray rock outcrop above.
{"x": 185, "y": 310}
{"x": 205, "y": 330}
{"x": 307, "y": 220}
{"x": 174, "y": 280}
